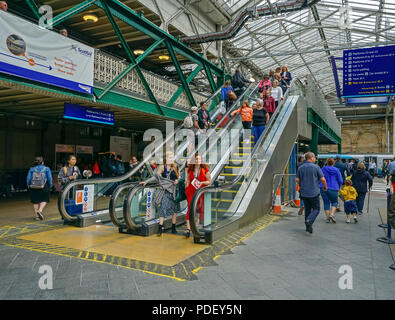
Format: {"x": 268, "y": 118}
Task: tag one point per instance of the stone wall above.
{"x": 362, "y": 136}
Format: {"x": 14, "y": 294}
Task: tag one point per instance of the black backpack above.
{"x": 39, "y": 179}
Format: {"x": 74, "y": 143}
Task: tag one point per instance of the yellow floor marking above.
{"x": 166, "y": 250}
{"x": 68, "y": 255}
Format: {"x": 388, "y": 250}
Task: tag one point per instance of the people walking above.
{"x": 343, "y": 171}
{"x": 360, "y": 180}
{"x": 330, "y": 197}
{"x": 224, "y": 93}
{"x": 301, "y": 160}
{"x": 372, "y": 168}
{"x": 349, "y": 195}
{"x": 308, "y": 177}
{"x": 39, "y": 183}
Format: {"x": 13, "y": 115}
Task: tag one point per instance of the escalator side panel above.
{"x": 258, "y": 201}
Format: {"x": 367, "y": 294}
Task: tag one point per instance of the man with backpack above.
{"x": 39, "y": 183}
{"x": 238, "y": 81}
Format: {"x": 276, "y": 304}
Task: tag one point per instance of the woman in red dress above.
{"x": 197, "y": 176}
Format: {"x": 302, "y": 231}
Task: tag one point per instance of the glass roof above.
{"x": 305, "y": 40}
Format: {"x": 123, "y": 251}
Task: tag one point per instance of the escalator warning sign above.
{"x": 149, "y": 202}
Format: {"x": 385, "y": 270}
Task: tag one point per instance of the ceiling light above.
{"x": 138, "y": 52}
{"x": 374, "y": 105}
{"x": 164, "y": 57}
{"x": 90, "y": 18}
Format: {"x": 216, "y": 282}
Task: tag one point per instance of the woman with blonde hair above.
{"x": 168, "y": 206}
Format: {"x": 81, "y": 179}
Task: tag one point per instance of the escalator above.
{"x": 100, "y": 205}
{"x": 140, "y": 216}
{"x": 247, "y": 192}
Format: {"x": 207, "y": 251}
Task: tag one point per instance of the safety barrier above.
{"x": 108, "y": 67}
{"x": 286, "y": 184}
{"x": 388, "y": 238}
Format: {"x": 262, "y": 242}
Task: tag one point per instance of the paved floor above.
{"x": 279, "y": 262}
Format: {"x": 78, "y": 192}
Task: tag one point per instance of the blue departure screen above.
{"x": 77, "y": 112}
{"x": 369, "y": 72}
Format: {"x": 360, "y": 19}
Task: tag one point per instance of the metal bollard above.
{"x": 387, "y": 239}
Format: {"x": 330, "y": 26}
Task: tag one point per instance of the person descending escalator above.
{"x": 246, "y": 113}
{"x": 197, "y": 176}
{"x": 239, "y": 81}
{"x": 168, "y": 176}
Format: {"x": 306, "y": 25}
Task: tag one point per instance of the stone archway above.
{"x": 368, "y": 142}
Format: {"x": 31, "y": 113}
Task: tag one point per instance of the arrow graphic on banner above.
{"x": 29, "y": 61}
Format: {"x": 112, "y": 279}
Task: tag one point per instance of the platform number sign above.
{"x": 88, "y": 198}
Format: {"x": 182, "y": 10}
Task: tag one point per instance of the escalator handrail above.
{"x": 113, "y": 202}
{"x": 144, "y": 162}
{"x": 229, "y": 185}
{"x": 129, "y": 198}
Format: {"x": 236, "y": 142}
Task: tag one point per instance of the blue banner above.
{"x": 369, "y": 72}
{"x": 77, "y": 112}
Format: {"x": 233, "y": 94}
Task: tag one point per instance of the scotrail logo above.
{"x": 86, "y": 53}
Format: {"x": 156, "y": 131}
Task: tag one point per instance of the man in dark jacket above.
{"x": 204, "y": 119}
{"x": 343, "y": 171}
{"x": 238, "y": 81}
{"x": 359, "y": 179}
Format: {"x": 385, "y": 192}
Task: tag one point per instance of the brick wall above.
{"x": 362, "y": 136}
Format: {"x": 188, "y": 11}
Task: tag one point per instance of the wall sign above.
{"x": 77, "y": 112}
{"x": 369, "y": 72}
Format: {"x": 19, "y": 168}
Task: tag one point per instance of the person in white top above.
{"x": 277, "y": 93}
{"x": 372, "y": 168}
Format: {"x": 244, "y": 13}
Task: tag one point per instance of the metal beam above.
{"x": 127, "y": 15}
{"x": 210, "y": 78}
{"x": 33, "y": 6}
{"x": 379, "y": 18}
{"x": 181, "y": 88}
{"x": 130, "y": 54}
{"x": 129, "y": 68}
{"x": 71, "y": 12}
{"x": 180, "y": 74}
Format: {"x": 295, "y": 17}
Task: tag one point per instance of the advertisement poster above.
{"x": 122, "y": 146}
{"x": 89, "y": 197}
{"x": 38, "y": 54}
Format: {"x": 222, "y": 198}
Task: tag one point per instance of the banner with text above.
{"x": 38, "y": 54}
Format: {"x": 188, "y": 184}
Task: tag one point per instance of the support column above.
{"x": 339, "y": 148}
{"x": 314, "y": 139}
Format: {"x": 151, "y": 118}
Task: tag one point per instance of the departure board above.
{"x": 369, "y": 72}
